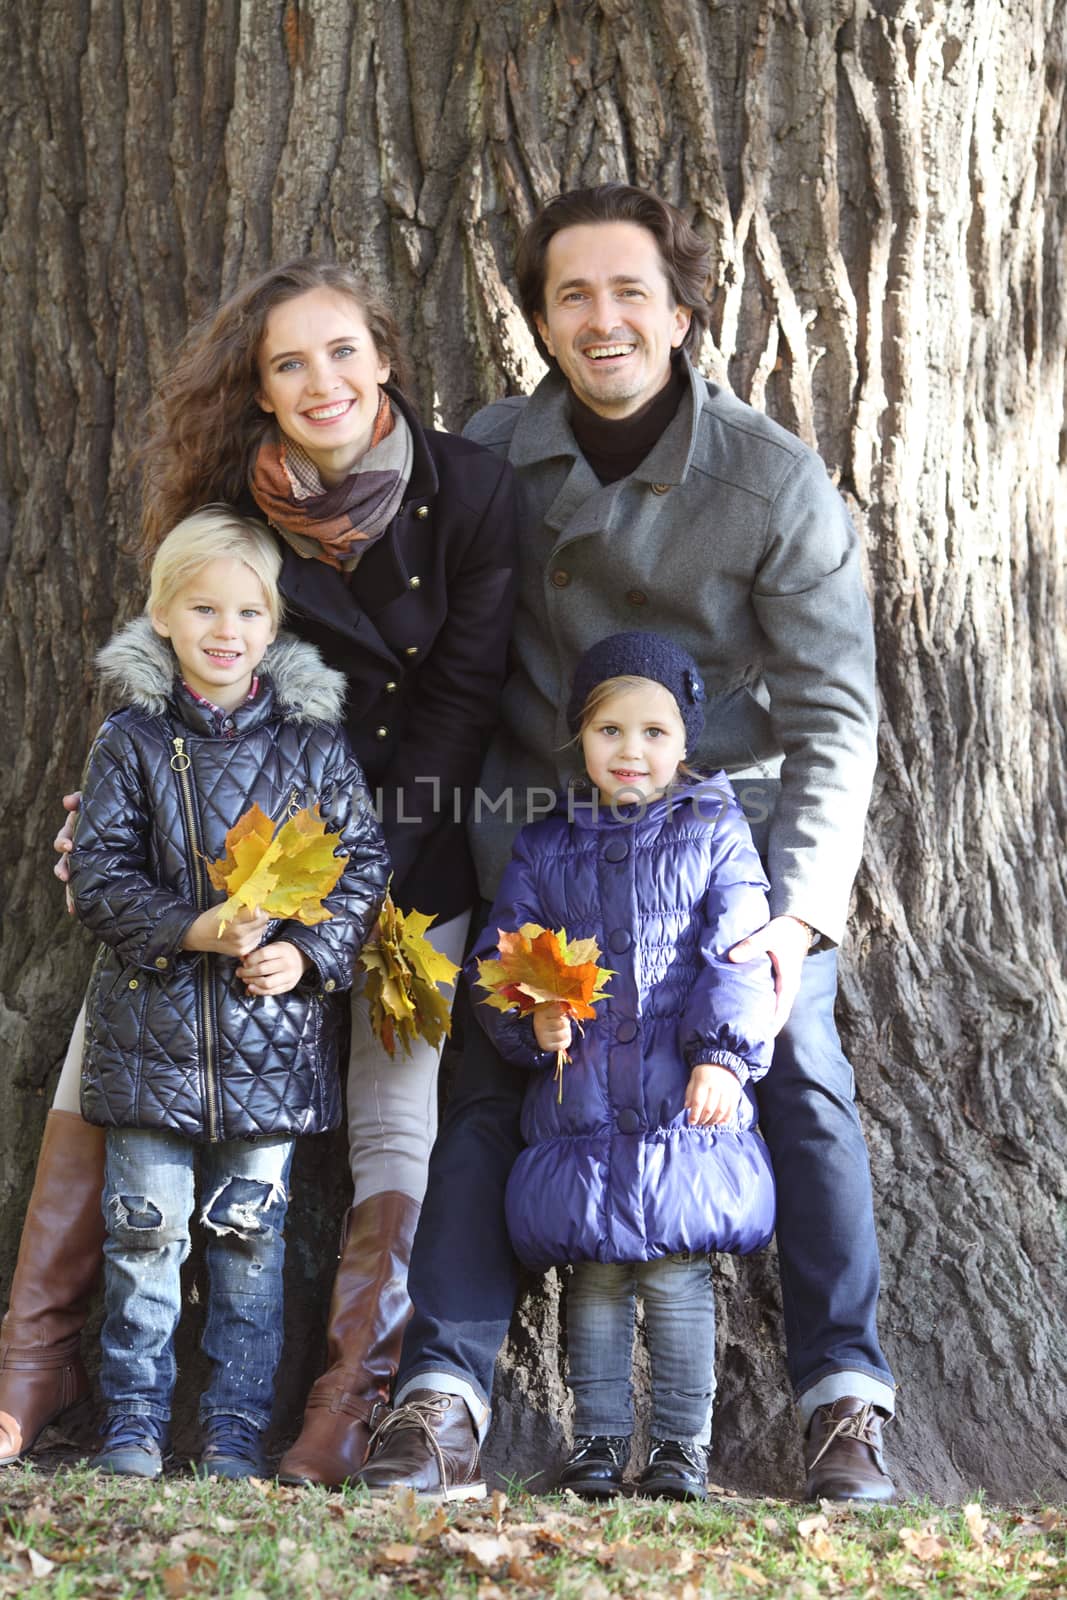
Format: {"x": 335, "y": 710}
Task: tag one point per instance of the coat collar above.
{"x": 704, "y": 798}
{"x": 543, "y": 432}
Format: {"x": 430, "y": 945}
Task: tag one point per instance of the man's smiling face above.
{"x": 609, "y": 317}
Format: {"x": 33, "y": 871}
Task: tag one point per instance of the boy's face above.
{"x": 219, "y": 624}
{"x": 633, "y": 744}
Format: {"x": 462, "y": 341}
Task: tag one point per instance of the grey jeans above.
{"x": 679, "y": 1306}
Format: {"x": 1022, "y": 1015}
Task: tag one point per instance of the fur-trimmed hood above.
{"x": 139, "y": 666}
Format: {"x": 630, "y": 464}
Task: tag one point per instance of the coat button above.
{"x": 134, "y": 984}
{"x": 390, "y": 688}
{"x": 619, "y": 941}
{"x": 561, "y": 578}
{"x": 661, "y": 488}
{"x": 636, "y": 597}
{"x": 414, "y": 583}
{"x": 329, "y": 986}
{"x": 382, "y": 732}
{"x": 412, "y": 650}
{"x": 626, "y": 1032}
{"x": 162, "y": 963}
{"x": 616, "y": 850}
{"x": 627, "y": 1120}
{"x": 422, "y": 512}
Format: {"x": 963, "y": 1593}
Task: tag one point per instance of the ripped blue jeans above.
{"x": 149, "y": 1194}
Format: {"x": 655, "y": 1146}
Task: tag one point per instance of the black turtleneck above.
{"x": 614, "y": 448}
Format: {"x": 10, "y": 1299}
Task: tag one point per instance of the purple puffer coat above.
{"x": 615, "y": 1172}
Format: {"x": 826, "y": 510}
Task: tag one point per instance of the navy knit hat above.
{"x": 641, "y": 655}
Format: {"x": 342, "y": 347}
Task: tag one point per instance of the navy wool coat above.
{"x": 173, "y": 1038}
{"x": 614, "y": 1172}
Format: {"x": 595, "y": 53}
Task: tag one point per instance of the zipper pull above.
{"x": 179, "y": 761}
{"x": 293, "y": 808}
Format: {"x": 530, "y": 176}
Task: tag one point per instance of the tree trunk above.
{"x": 884, "y": 186}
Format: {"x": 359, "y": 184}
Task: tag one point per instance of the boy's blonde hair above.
{"x": 613, "y": 686}
{"x": 210, "y": 534}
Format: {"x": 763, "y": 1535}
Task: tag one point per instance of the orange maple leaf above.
{"x": 537, "y": 966}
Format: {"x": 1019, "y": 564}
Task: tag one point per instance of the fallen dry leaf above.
{"x": 809, "y": 1525}
{"x": 977, "y": 1524}
{"x": 751, "y": 1574}
{"x": 923, "y": 1544}
{"x": 395, "y": 1555}
{"x": 484, "y": 1552}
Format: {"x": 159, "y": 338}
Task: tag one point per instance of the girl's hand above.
{"x": 712, "y": 1094}
{"x": 63, "y": 843}
{"x": 241, "y": 937}
{"x": 552, "y": 1029}
{"x": 274, "y": 968}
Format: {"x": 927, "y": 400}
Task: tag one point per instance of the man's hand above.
{"x": 712, "y": 1093}
{"x": 274, "y": 968}
{"x": 786, "y": 940}
{"x": 241, "y": 937}
{"x": 552, "y": 1029}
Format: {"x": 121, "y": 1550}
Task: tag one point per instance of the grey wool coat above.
{"x": 730, "y": 539}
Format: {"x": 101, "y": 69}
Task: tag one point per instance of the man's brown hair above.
{"x": 686, "y": 257}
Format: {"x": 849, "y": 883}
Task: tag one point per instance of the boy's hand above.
{"x": 552, "y": 1029}
{"x": 241, "y": 937}
{"x": 274, "y": 968}
{"x": 712, "y": 1094}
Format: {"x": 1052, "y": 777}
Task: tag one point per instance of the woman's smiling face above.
{"x": 319, "y": 375}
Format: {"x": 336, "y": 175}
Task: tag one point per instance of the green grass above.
{"x": 75, "y": 1534}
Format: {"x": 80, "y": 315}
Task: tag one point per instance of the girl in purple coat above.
{"x": 650, "y": 1159}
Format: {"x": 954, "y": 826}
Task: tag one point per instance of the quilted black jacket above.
{"x": 174, "y": 1041}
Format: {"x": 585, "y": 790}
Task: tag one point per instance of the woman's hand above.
{"x": 712, "y": 1094}
{"x": 274, "y": 968}
{"x": 241, "y": 937}
{"x": 63, "y": 843}
{"x": 552, "y": 1028}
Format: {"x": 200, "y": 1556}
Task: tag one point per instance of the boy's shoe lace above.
{"x": 132, "y": 1446}
{"x": 233, "y": 1448}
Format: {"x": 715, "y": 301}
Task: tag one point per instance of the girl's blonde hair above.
{"x": 613, "y": 686}
{"x": 210, "y": 534}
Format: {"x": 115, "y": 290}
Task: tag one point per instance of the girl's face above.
{"x": 219, "y": 624}
{"x": 319, "y": 373}
{"x": 634, "y": 742}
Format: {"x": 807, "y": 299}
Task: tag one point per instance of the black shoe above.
{"x": 677, "y": 1470}
{"x": 595, "y": 1466}
{"x": 133, "y": 1446}
{"x": 233, "y": 1448}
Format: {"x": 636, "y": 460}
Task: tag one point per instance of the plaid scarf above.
{"x": 335, "y": 524}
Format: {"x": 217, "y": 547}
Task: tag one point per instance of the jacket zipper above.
{"x": 181, "y": 764}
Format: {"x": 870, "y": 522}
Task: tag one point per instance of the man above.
{"x": 652, "y": 499}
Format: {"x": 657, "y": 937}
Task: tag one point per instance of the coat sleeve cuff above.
{"x": 697, "y": 1057}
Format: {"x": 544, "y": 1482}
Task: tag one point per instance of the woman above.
{"x": 398, "y": 563}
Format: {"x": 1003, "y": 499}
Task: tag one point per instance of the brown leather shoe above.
{"x": 427, "y": 1444}
{"x": 60, "y": 1257}
{"x": 843, "y": 1454}
{"x": 368, "y": 1313}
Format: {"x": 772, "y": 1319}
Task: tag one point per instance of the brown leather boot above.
{"x": 843, "y": 1454}
{"x": 368, "y": 1314}
{"x": 59, "y": 1261}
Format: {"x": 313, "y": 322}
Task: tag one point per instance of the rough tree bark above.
{"x": 884, "y": 184}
